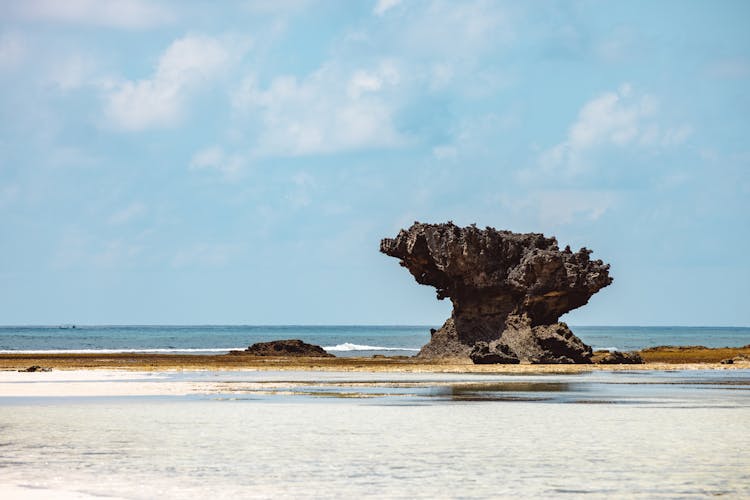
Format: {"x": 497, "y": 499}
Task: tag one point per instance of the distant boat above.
{"x": 66, "y": 327}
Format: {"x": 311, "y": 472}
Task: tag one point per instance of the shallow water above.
{"x": 261, "y": 434}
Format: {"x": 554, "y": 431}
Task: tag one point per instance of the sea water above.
{"x": 343, "y": 435}
{"x": 339, "y": 340}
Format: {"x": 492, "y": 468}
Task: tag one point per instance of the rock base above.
{"x": 516, "y": 342}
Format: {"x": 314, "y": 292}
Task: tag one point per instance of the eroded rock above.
{"x": 508, "y": 291}
{"x": 291, "y": 347}
{"x": 36, "y": 368}
{"x": 621, "y": 358}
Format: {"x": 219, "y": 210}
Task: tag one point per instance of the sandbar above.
{"x": 658, "y": 358}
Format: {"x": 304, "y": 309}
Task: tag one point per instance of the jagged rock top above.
{"x": 526, "y": 271}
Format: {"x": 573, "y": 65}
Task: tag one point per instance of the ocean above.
{"x": 338, "y": 340}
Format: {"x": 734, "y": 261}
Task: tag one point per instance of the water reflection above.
{"x": 501, "y": 391}
{"x": 661, "y": 389}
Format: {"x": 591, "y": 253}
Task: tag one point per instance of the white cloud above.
{"x": 613, "y": 119}
{"x": 550, "y": 209}
{"x": 127, "y": 14}
{"x": 328, "y": 111}
{"x": 159, "y": 101}
{"x": 215, "y": 158}
{"x": 556, "y": 208}
{"x": 127, "y": 214}
{"x": 382, "y": 6}
{"x": 456, "y": 30}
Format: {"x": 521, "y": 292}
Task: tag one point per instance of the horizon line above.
{"x": 272, "y": 325}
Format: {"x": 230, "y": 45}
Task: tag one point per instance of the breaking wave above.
{"x": 347, "y": 346}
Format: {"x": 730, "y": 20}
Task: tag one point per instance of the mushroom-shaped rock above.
{"x": 508, "y": 291}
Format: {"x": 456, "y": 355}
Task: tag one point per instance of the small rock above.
{"x": 736, "y": 359}
{"x": 36, "y": 368}
{"x": 621, "y": 358}
{"x": 291, "y": 347}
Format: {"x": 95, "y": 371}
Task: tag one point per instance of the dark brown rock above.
{"x": 621, "y": 358}
{"x": 736, "y": 359}
{"x": 36, "y": 368}
{"x": 292, "y": 347}
{"x": 493, "y": 353}
{"x": 508, "y": 291}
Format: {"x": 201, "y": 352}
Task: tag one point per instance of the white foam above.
{"x": 347, "y": 346}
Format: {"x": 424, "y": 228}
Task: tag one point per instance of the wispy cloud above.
{"x": 450, "y": 30}
{"x": 12, "y": 50}
{"x": 329, "y": 110}
{"x": 126, "y": 14}
{"x": 159, "y": 101}
{"x": 127, "y": 214}
{"x": 613, "y": 119}
{"x": 383, "y": 6}
{"x": 73, "y": 71}
{"x": 78, "y": 248}
{"x": 215, "y": 158}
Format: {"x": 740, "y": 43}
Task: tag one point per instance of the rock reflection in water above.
{"x": 504, "y": 391}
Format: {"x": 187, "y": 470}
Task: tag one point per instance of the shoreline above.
{"x": 658, "y": 358}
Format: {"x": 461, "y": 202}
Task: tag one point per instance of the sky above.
{"x": 238, "y": 162}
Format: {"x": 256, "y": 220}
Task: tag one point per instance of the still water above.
{"x": 292, "y": 435}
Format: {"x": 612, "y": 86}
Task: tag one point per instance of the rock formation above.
{"x": 621, "y": 358}
{"x": 508, "y": 291}
{"x": 292, "y": 347}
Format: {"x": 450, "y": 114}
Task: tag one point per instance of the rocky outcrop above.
{"x": 36, "y": 368}
{"x": 292, "y": 347}
{"x": 737, "y": 359}
{"x": 620, "y": 358}
{"x": 508, "y": 291}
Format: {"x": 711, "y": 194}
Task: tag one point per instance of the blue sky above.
{"x": 238, "y": 162}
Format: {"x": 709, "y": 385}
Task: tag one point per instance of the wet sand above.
{"x": 659, "y": 358}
